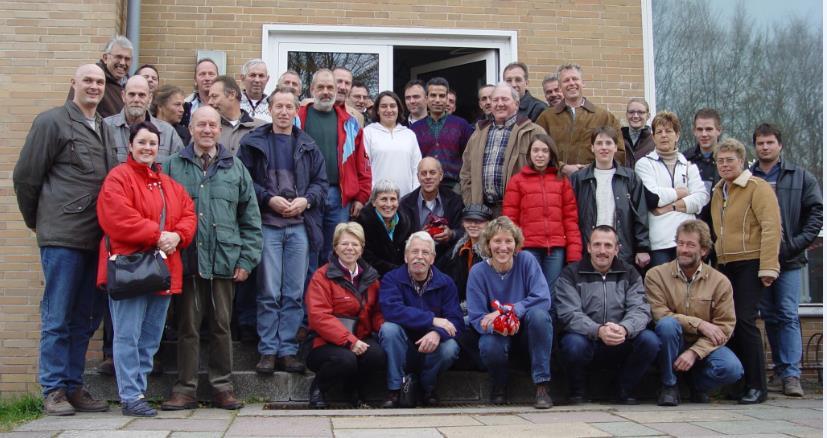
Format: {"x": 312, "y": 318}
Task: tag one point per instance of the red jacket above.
{"x": 354, "y": 165}
{"x": 129, "y": 208}
{"x": 329, "y": 295}
{"x": 544, "y": 207}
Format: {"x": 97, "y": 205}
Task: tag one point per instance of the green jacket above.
{"x": 229, "y": 221}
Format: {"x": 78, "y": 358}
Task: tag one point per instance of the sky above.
{"x": 767, "y": 12}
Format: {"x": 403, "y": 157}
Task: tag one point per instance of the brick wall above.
{"x": 41, "y": 45}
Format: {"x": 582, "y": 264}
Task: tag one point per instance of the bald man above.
{"x": 433, "y": 200}
{"x": 57, "y": 179}
{"x": 136, "y": 100}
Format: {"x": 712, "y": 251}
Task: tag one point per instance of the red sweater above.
{"x": 544, "y": 207}
{"x": 326, "y": 299}
{"x": 129, "y": 208}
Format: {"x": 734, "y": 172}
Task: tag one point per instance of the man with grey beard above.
{"x": 136, "y": 98}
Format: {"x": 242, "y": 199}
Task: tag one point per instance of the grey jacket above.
{"x": 585, "y": 299}
{"x": 58, "y": 176}
{"x": 231, "y": 135}
{"x": 119, "y": 133}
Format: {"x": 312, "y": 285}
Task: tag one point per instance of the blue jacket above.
{"x": 310, "y": 174}
{"x": 401, "y": 304}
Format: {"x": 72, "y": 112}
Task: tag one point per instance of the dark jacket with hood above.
{"x": 382, "y": 252}
{"x": 531, "y": 107}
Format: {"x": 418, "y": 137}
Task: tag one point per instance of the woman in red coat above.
{"x": 129, "y": 211}
{"x": 541, "y": 202}
{"x": 343, "y": 310}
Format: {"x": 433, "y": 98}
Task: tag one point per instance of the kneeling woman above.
{"x": 135, "y": 197}
{"x": 514, "y": 279}
{"x": 342, "y": 309}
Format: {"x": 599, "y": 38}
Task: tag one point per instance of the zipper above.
{"x": 605, "y": 302}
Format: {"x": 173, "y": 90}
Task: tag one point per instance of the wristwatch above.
{"x": 674, "y": 208}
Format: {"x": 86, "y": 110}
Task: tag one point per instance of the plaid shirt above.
{"x": 492, "y": 160}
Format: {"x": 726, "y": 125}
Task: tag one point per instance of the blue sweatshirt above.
{"x": 524, "y": 286}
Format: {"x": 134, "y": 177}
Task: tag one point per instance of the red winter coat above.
{"x": 330, "y": 295}
{"x": 354, "y": 165}
{"x": 544, "y": 207}
{"x": 129, "y": 210}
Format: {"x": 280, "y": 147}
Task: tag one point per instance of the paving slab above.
{"x": 666, "y": 415}
{"x": 752, "y": 426}
{"x": 44, "y": 434}
{"x": 403, "y": 422}
{"x": 258, "y": 411}
{"x": 196, "y": 435}
{"x": 384, "y": 433}
{"x": 75, "y": 423}
{"x": 186, "y": 413}
{"x": 212, "y": 414}
{"x": 626, "y": 428}
{"x": 571, "y": 417}
{"x": 680, "y": 429}
{"x": 558, "y": 430}
{"x": 177, "y": 424}
{"x": 114, "y": 434}
{"x": 282, "y": 426}
{"x": 789, "y": 414}
{"x": 797, "y": 403}
{"x": 499, "y": 420}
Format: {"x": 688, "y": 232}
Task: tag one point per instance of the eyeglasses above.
{"x": 635, "y": 113}
{"x": 728, "y": 160}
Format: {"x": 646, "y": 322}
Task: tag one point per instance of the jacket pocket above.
{"x": 80, "y": 157}
{"x": 227, "y": 251}
{"x": 78, "y": 205}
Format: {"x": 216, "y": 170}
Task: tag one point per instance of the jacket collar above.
{"x": 587, "y": 105}
{"x": 743, "y": 178}
{"x": 110, "y": 78}
{"x": 522, "y": 120}
{"x": 224, "y": 158}
{"x": 147, "y": 173}
{"x": 119, "y": 119}
{"x": 257, "y": 138}
{"x": 367, "y": 273}
{"x": 585, "y": 267}
{"x": 77, "y": 115}
{"x": 677, "y": 273}
{"x": 438, "y": 279}
{"x": 654, "y": 156}
{"x": 622, "y": 171}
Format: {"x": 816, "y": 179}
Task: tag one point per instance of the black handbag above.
{"x": 141, "y": 273}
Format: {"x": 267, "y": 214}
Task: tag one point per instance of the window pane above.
{"x": 365, "y": 67}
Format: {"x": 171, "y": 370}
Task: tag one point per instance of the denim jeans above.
{"x": 661, "y": 256}
{"x": 721, "y": 367}
{"x": 536, "y": 335}
{"x": 281, "y": 276}
{"x": 70, "y": 312}
{"x": 632, "y": 358}
{"x": 402, "y": 354}
{"x": 551, "y": 263}
{"x": 779, "y": 309}
{"x": 334, "y": 214}
{"x": 138, "y": 325}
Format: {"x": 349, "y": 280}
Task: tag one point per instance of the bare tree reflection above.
{"x": 365, "y": 66}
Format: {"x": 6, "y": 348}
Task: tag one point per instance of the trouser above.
{"x": 244, "y": 306}
{"x": 718, "y": 368}
{"x": 213, "y": 300}
{"x": 779, "y": 310}
{"x": 469, "y": 350}
{"x": 402, "y": 354}
{"x": 661, "y": 256}
{"x": 632, "y": 358}
{"x": 334, "y": 364}
{"x": 334, "y": 214}
{"x": 138, "y": 325}
{"x": 746, "y": 340}
{"x": 535, "y": 336}
{"x": 552, "y": 261}
{"x": 70, "y": 312}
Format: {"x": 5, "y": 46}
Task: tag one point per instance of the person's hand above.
{"x": 240, "y": 274}
{"x": 168, "y": 241}
{"x": 355, "y": 208}
{"x": 445, "y": 235}
{"x": 685, "y": 361}
{"x": 278, "y": 204}
{"x": 642, "y": 259}
{"x": 296, "y": 207}
{"x": 682, "y": 192}
{"x": 767, "y": 281}
{"x": 568, "y": 169}
{"x": 358, "y": 348}
{"x": 488, "y": 320}
{"x": 612, "y": 334}
{"x": 712, "y": 332}
{"x": 429, "y": 342}
{"x": 446, "y": 325}
{"x": 662, "y": 210}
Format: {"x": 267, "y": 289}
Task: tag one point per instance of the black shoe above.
{"x": 576, "y": 399}
{"x": 698, "y": 396}
{"x": 542, "y": 399}
{"x": 316, "y": 397}
{"x": 753, "y": 396}
{"x": 429, "y": 399}
{"x": 392, "y": 400}
{"x": 624, "y": 398}
{"x": 498, "y": 395}
{"x": 669, "y": 396}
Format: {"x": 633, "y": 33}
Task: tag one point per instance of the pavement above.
{"x": 778, "y": 417}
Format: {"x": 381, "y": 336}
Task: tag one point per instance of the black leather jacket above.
{"x": 631, "y": 214}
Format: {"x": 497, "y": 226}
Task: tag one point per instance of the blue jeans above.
{"x": 281, "y": 277}
{"x": 721, "y": 367}
{"x": 535, "y": 335}
{"x": 402, "y": 353}
{"x": 138, "y": 324}
{"x": 70, "y": 312}
{"x": 661, "y": 256}
{"x": 334, "y": 214}
{"x": 631, "y": 358}
{"x": 779, "y": 309}
{"x": 551, "y": 263}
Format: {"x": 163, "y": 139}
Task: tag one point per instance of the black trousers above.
{"x": 334, "y": 364}
{"x": 746, "y": 341}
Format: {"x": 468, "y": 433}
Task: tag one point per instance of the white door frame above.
{"x": 489, "y": 56}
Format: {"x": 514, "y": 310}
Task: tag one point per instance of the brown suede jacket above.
{"x": 573, "y": 136}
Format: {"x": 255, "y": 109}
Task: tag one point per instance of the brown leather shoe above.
{"x": 292, "y": 365}
{"x": 267, "y": 364}
{"x": 107, "y": 366}
{"x": 56, "y": 403}
{"x": 179, "y": 402}
{"x": 226, "y": 400}
{"x": 82, "y": 401}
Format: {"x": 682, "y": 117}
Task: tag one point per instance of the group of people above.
{"x": 411, "y": 244}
